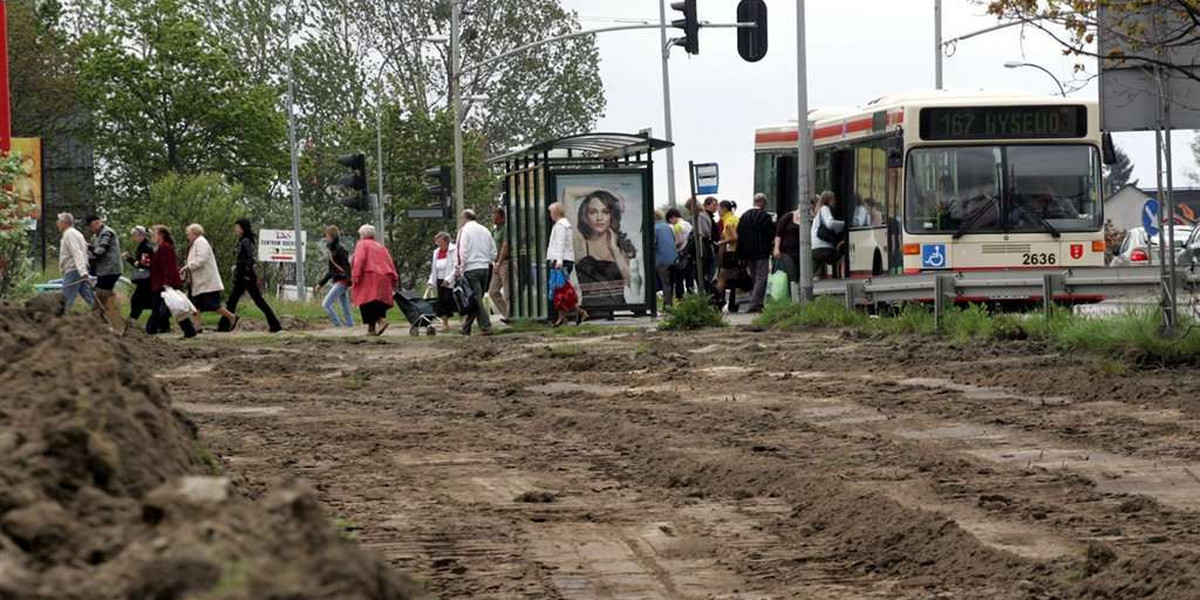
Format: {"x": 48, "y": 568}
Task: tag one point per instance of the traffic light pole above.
{"x": 380, "y": 232}
{"x": 666, "y": 78}
{"x": 804, "y": 150}
{"x": 456, "y": 73}
{"x": 5, "y": 106}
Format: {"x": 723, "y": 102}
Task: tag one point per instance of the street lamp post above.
{"x": 1014, "y": 64}
{"x": 456, "y": 100}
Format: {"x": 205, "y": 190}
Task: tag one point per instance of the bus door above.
{"x": 841, "y": 178}
{"x": 786, "y": 185}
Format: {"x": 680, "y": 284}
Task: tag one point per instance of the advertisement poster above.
{"x": 606, "y": 213}
{"x": 278, "y": 245}
{"x": 29, "y": 185}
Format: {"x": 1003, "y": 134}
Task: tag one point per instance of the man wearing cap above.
{"x": 105, "y": 255}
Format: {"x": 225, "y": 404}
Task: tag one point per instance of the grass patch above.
{"x": 346, "y": 529}
{"x": 1131, "y": 337}
{"x": 694, "y": 312}
{"x": 212, "y": 462}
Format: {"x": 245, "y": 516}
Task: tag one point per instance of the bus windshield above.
{"x": 1010, "y": 188}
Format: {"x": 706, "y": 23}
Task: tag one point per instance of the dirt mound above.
{"x": 97, "y": 498}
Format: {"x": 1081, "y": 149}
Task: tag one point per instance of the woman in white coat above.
{"x": 204, "y": 276}
{"x": 441, "y": 276}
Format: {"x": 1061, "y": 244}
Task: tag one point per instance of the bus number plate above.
{"x": 1036, "y": 258}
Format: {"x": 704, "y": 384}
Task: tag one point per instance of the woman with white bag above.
{"x": 165, "y": 285}
{"x": 205, "y": 277}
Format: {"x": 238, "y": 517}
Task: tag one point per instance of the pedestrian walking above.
{"x": 475, "y": 252}
{"x": 139, "y": 261}
{"x": 204, "y": 276}
{"x": 337, "y": 276}
{"x": 665, "y": 254}
{"x": 373, "y": 280}
{"x": 105, "y": 256}
{"x": 441, "y": 276}
{"x": 245, "y": 277}
{"x": 560, "y": 251}
{"x": 164, "y": 273}
{"x": 756, "y": 237}
{"x": 683, "y": 273}
{"x": 496, "y": 291}
{"x": 73, "y": 264}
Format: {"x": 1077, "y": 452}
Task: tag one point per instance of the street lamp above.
{"x": 433, "y": 39}
{"x": 1014, "y": 64}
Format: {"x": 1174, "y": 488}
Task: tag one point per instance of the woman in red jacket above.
{"x": 374, "y": 280}
{"x": 164, "y": 273}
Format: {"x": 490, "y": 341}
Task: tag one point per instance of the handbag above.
{"x": 464, "y": 296}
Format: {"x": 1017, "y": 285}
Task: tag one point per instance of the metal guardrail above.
{"x": 1080, "y": 284}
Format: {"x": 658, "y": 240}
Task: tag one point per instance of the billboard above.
{"x": 1132, "y": 45}
{"x": 28, "y": 186}
{"x": 607, "y": 214}
{"x": 278, "y": 245}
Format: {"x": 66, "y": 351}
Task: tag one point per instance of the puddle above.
{"x": 201, "y": 408}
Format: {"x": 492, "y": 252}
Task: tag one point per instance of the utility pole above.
{"x": 5, "y": 103}
{"x": 804, "y": 151}
{"x": 456, "y": 100}
{"x": 937, "y": 44}
{"x": 296, "y": 212}
{"x": 666, "y": 78}
{"x": 380, "y": 232}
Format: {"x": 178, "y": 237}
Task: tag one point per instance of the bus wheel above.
{"x": 877, "y": 264}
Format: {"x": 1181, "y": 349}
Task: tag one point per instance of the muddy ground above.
{"x": 724, "y": 464}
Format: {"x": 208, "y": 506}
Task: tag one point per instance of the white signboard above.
{"x": 278, "y": 245}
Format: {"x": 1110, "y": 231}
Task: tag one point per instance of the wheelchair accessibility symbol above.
{"x": 933, "y": 256}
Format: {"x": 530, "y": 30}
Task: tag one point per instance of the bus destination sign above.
{"x": 1003, "y": 122}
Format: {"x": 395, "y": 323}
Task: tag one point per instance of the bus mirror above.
{"x": 1107, "y": 149}
{"x": 895, "y": 159}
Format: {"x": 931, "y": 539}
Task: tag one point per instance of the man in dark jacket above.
{"x": 756, "y": 237}
{"x": 105, "y": 255}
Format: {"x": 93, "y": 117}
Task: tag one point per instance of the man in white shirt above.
{"x": 560, "y": 252}
{"x": 475, "y": 252}
{"x": 73, "y": 263}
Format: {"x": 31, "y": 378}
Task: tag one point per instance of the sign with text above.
{"x": 278, "y": 245}
{"x": 1003, "y": 122}
{"x": 708, "y": 178}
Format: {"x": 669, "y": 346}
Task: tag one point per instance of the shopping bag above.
{"x": 557, "y": 279}
{"x": 178, "y": 303}
{"x": 777, "y": 285}
{"x": 464, "y": 296}
{"x": 565, "y": 299}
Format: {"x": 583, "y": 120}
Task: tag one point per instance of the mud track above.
{"x": 728, "y": 464}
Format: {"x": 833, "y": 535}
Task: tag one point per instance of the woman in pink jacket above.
{"x": 374, "y": 280}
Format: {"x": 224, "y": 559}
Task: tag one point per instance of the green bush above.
{"x": 822, "y": 312}
{"x": 695, "y": 311}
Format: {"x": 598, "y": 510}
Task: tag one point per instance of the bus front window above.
{"x": 989, "y": 189}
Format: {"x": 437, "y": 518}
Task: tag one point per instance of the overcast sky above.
{"x": 857, "y": 51}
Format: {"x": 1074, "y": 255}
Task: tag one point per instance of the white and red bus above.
{"x": 945, "y": 181}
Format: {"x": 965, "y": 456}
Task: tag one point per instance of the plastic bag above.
{"x": 777, "y": 285}
{"x": 557, "y": 279}
{"x": 178, "y": 303}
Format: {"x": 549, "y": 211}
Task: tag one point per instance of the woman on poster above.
{"x": 602, "y": 251}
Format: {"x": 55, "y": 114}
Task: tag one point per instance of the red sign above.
{"x": 1076, "y": 251}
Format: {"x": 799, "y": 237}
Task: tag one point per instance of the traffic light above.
{"x": 752, "y": 41}
{"x": 690, "y": 24}
{"x": 357, "y": 181}
{"x": 441, "y": 189}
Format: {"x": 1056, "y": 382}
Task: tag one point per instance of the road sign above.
{"x": 933, "y": 256}
{"x": 1150, "y": 217}
{"x": 278, "y": 245}
{"x": 708, "y": 178}
{"x": 434, "y": 212}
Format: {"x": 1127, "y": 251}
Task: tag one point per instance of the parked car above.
{"x": 1140, "y": 249}
{"x": 1190, "y": 256}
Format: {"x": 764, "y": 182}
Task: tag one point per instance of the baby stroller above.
{"x": 420, "y": 313}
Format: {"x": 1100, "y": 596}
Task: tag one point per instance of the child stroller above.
{"x": 420, "y": 313}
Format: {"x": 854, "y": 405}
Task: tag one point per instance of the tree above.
{"x": 41, "y": 68}
{"x": 167, "y": 98}
{"x": 14, "y": 240}
{"x": 1116, "y": 175}
{"x": 179, "y": 200}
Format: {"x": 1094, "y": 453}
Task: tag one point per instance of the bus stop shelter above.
{"x": 606, "y": 182}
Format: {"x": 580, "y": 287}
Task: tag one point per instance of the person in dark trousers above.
{"x": 164, "y": 273}
{"x": 756, "y": 237}
{"x": 139, "y": 260}
{"x": 105, "y": 256}
{"x": 245, "y": 278}
{"x": 787, "y": 246}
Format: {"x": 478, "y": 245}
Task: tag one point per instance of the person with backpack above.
{"x": 756, "y": 236}
{"x": 826, "y": 234}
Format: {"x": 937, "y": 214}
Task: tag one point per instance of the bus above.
{"x": 941, "y": 181}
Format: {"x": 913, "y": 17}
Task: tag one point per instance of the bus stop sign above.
{"x": 1150, "y": 217}
{"x": 708, "y": 178}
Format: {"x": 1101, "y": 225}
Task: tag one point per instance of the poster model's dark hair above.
{"x": 614, "y": 209}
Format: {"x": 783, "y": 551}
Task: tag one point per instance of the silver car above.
{"x": 1140, "y": 249}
